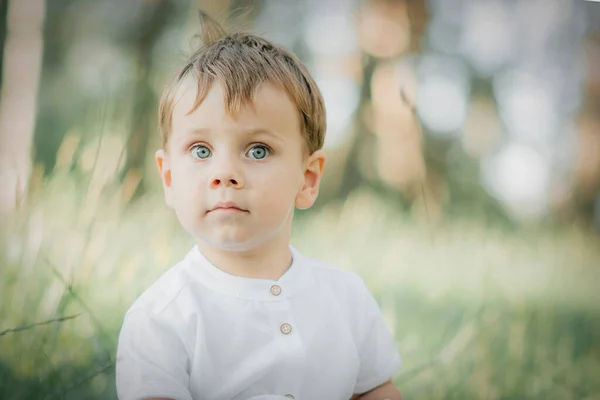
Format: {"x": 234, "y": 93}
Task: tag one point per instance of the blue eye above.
{"x": 200, "y": 151}
{"x": 258, "y": 152}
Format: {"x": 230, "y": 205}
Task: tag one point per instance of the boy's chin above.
{"x": 233, "y": 244}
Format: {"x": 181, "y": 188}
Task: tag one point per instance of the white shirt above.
{"x": 200, "y": 333}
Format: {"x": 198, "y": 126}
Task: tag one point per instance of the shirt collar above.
{"x": 296, "y": 278}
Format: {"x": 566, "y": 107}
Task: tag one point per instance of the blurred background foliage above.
{"x": 463, "y": 181}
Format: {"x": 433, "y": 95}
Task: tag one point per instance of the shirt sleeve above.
{"x": 379, "y": 358}
{"x": 152, "y": 360}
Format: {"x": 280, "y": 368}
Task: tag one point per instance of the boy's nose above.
{"x": 229, "y": 182}
{"x": 226, "y": 175}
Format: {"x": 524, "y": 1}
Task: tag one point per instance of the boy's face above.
{"x": 234, "y": 180}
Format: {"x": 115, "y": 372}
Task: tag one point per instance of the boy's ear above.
{"x": 312, "y": 179}
{"x": 164, "y": 168}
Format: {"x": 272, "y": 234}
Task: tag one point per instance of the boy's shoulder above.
{"x": 350, "y": 291}
{"x": 333, "y": 274}
{"x": 163, "y": 291}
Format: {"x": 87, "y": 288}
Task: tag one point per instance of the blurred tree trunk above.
{"x": 55, "y": 117}
{"x": 352, "y": 177}
{"x": 157, "y": 16}
{"x": 3, "y": 30}
{"x": 21, "y": 67}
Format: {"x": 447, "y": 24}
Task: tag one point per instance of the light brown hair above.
{"x": 241, "y": 62}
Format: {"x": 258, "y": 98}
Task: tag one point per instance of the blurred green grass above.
{"x": 477, "y": 311}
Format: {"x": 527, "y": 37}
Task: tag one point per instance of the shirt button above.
{"x": 289, "y": 396}
{"x": 275, "y": 290}
{"x": 285, "y": 328}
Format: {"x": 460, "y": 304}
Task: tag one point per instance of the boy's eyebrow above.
{"x": 249, "y": 132}
{"x": 196, "y": 132}
{"x": 262, "y": 132}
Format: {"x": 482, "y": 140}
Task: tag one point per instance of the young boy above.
{"x": 244, "y": 315}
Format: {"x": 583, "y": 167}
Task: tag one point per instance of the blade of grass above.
{"x": 35, "y": 325}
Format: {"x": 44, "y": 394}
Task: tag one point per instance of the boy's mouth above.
{"x": 228, "y": 207}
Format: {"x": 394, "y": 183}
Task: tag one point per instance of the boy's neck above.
{"x": 269, "y": 261}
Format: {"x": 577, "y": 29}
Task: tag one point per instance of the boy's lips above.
{"x": 227, "y": 207}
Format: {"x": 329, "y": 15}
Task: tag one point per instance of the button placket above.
{"x": 292, "y": 353}
{"x": 285, "y": 327}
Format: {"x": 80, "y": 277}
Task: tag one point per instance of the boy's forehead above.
{"x": 185, "y": 95}
{"x": 266, "y": 100}
{"x": 270, "y": 110}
